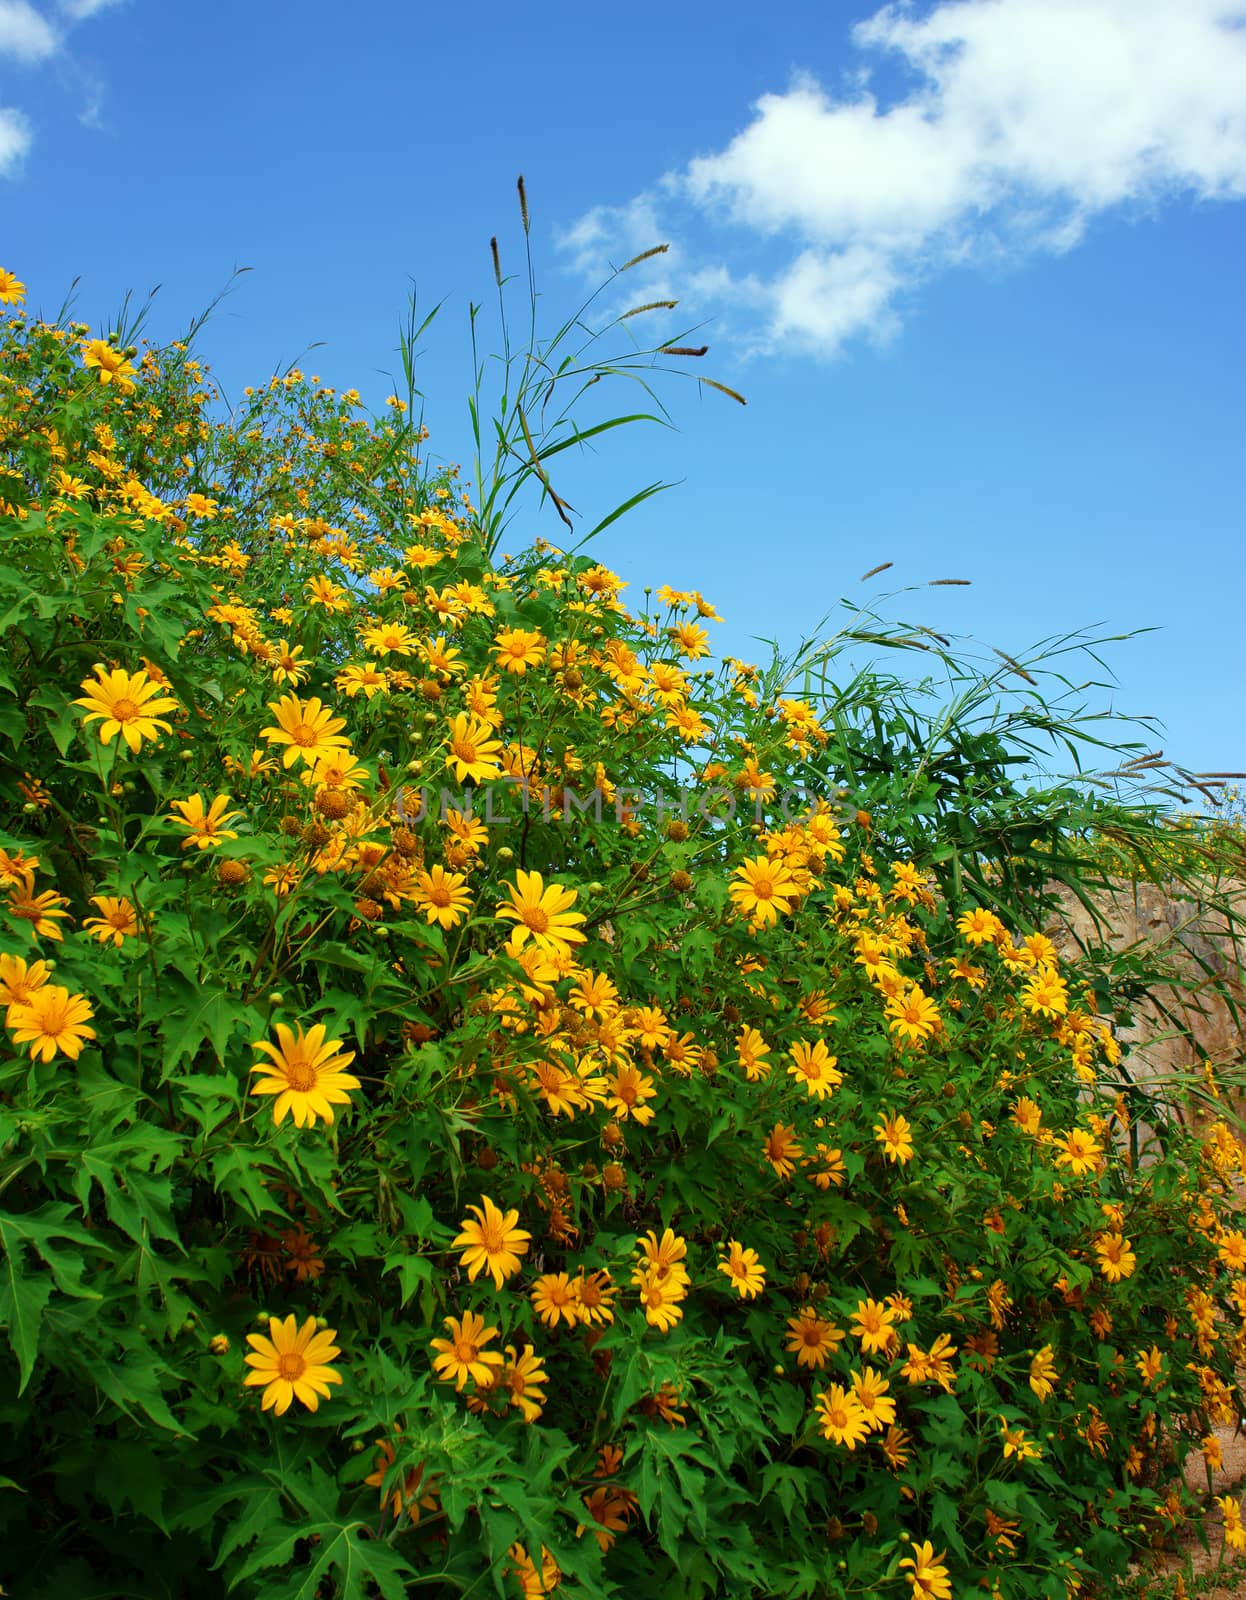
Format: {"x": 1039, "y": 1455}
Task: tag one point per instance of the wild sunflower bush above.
{"x": 476, "y": 1118}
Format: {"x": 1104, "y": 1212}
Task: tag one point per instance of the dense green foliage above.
{"x": 819, "y": 1240}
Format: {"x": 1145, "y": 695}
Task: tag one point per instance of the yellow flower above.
{"x": 517, "y": 650}
{"x": 660, "y": 1296}
{"x": 555, "y": 1298}
{"x": 306, "y": 728}
{"x": 978, "y": 927}
{"x": 1079, "y": 1151}
{"x": 744, "y": 1270}
{"x": 390, "y": 638}
{"x": 463, "y": 1355}
{"x": 110, "y": 363}
{"x": 781, "y": 1149}
{"x": 841, "y": 1418}
{"x": 367, "y": 676}
{"x": 1150, "y": 1365}
{"x": 204, "y": 828}
{"x": 51, "y": 1020}
{"x": 894, "y": 1133}
{"x": 542, "y": 914}
{"x": 305, "y": 1074}
{"x": 199, "y": 505}
{"x": 491, "y": 1241}
{"x": 12, "y": 290}
{"x": 473, "y": 751}
{"x": 751, "y": 1050}
{"x": 1116, "y": 1257}
{"x": 926, "y": 1573}
{"x": 912, "y": 1016}
{"x": 42, "y": 911}
{"x": 286, "y": 666}
{"x": 126, "y": 703}
{"x": 872, "y": 1324}
{"x": 870, "y": 1388}
{"x": 292, "y": 1363}
{"x": 1043, "y": 1374}
{"x": 442, "y": 896}
{"x": 815, "y": 1067}
{"x": 812, "y": 1338}
{"x": 19, "y": 981}
{"x": 523, "y": 1377}
{"x": 1234, "y": 1533}
{"x": 1017, "y": 1444}
{"x": 765, "y": 891}
{"x": 1046, "y": 994}
{"x": 117, "y": 920}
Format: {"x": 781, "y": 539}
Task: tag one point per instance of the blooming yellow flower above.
{"x": 51, "y": 1020}
{"x": 305, "y": 1074}
{"x": 286, "y": 665}
{"x": 1079, "y": 1151}
{"x": 1043, "y": 1374}
{"x": 744, "y": 1270}
{"x": 781, "y": 1148}
{"x": 307, "y": 728}
{"x": 541, "y": 913}
{"x": 12, "y": 290}
{"x": 1116, "y": 1257}
{"x": 894, "y": 1133}
{"x": 556, "y": 1298}
{"x": 815, "y": 1067}
{"x": 841, "y": 1418}
{"x": 871, "y": 1388}
{"x": 473, "y": 752}
{"x": 367, "y": 676}
{"x": 292, "y": 1363}
{"x": 126, "y": 703}
{"x": 116, "y": 922}
{"x": 516, "y": 650}
{"x": 926, "y": 1572}
{"x": 204, "y": 827}
{"x": 765, "y": 891}
{"x": 109, "y": 362}
{"x": 978, "y": 926}
{"x": 19, "y": 981}
{"x": 812, "y": 1338}
{"x": 463, "y": 1355}
{"x": 913, "y": 1016}
{"x": 660, "y": 1298}
{"x": 442, "y": 896}
{"x": 491, "y": 1240}
{"x": 43, "y": 911}
{"x": 872, "y": 1324}
{"x": 1017, "y": 1444}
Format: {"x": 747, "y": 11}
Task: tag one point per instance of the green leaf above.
{"x": 357, "y": 1563}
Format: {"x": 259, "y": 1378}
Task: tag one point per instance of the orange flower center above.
{"x": 491, "y": 1238}
{"x": 304, "y": 734}
{"x": 124, "y": 710}
{"x": 536, "y": 918}
{"x": 465, "y": 750}
{"x": 301, "y": 1076}
{"x": 763, "y": 888}
{"x": 439, "y": 895}
{"x": 291, "y": 1366}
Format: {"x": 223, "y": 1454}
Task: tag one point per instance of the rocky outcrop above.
{"x": 1200, "y": 1014}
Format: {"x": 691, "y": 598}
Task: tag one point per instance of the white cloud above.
{"x": 1029, "y": 118}
{"x": 24, "y": 33}
{"x": 27, "y": 36}
{"x": 14, "y": 139}
{"x": 80, "y": 10}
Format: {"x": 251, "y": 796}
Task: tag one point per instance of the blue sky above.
{"x": 976, "y": 265}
